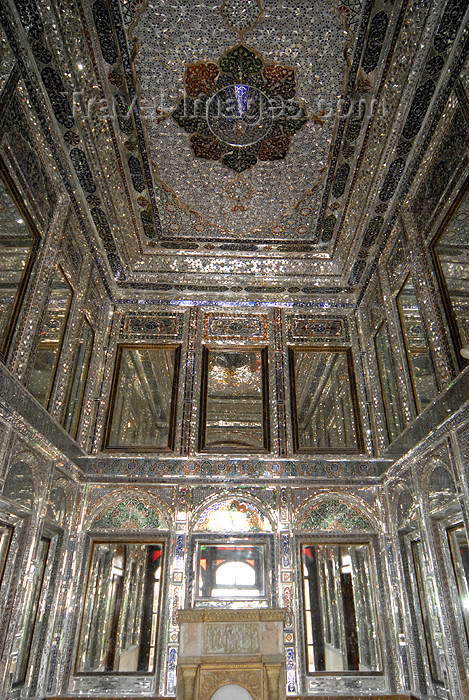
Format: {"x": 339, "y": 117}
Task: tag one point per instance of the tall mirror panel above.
{"x": 389, "y": 392}
{"x": 460, "y": 557}
{"x": 51, "y": 337}
{"x": 78, "y": 381}
{"x": 30, "y": 611}
{"x": 234, "y": 416}
{"x": 341, "y": 626}
{"x": 18, "y": 243}
{"x": 120, "y": 620}
{"x": 324, "y": 402}
{"x": 452, "y": 264}
{"x": 416, "y": 345}
{"x": 143, "y": 399}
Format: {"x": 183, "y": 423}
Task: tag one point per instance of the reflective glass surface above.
{"x": 50, "y": 340}
{"x": 387, "y": 380}
{"x": 120, "y": 619}
{"x": 324, "y": 406}
{"x": 417, "y": 349}
{"x": 30, "y": 611}
{"x": 460, "y": 556}
{"x": 340, "y": 611}
{"x": 6, "y": 532}
{"x": 453, "y": 262}
{"x": 434, "y": 641}
{"x": 78, "y": 381}
{"x": 234, "y": 416}
{"x": 143, "y": 398}
{"x": 17, "y": 246}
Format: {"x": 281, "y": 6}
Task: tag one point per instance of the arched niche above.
{"x": 335, "y": 514}
{"x": 231, "y": 692}
{"x": 135, "y": 511}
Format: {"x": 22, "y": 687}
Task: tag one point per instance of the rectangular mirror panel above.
{"x": 6, "y": 533}
{"x": 324, "y": 400}
{"x": 383, "y": 349}
{"x": 120, "y": 619}
{"x": 235, "y": 412}
{"x": 143, "y": 399}
{"x": 450, "y": 251}
{"x": 341, "y": 626}
{"x": 434, "y": 642}
{"x": 18, "y": 243}
{"x": 51, "y": 338}
{"x": 460, "y": 556}
{"x": 30, "y": 611}
{"x": 417, "y": 350}
{"x": 78, "y": 381}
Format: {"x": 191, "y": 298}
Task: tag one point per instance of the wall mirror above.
{"x": 18, "y": 243}
{"x": 425, "y": 596}
{"x": 143, "y": 398}
{"x": 324, "y": 401}
{"x": 79, "y": 375}
{"x": 234, "y": 414}
{"x": 51, "y": 337}
{"x": 122, "y": 608}
{"x": 416, "y": 346}
{"x": 341, "y": 627}
{"x": 387, "y": 380}
{"x": 459, "y": 548}
{"x": 30, "y": 613}
{"x": 449, "y": 251}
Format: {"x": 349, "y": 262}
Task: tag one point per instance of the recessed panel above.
{"x": 323, "y": 400}
{"x": 234, "y": 416}
{"x": 143, "y": 398}
{"x": 341, "y": 627}
{"x": 120, "y": 618}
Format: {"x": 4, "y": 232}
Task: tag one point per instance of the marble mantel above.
{"x": 231, "y": 647}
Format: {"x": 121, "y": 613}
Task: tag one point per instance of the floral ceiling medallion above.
{"x": 240, "y": 110}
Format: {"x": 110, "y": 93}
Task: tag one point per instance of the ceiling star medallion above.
{"x": 240, "y": 110}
